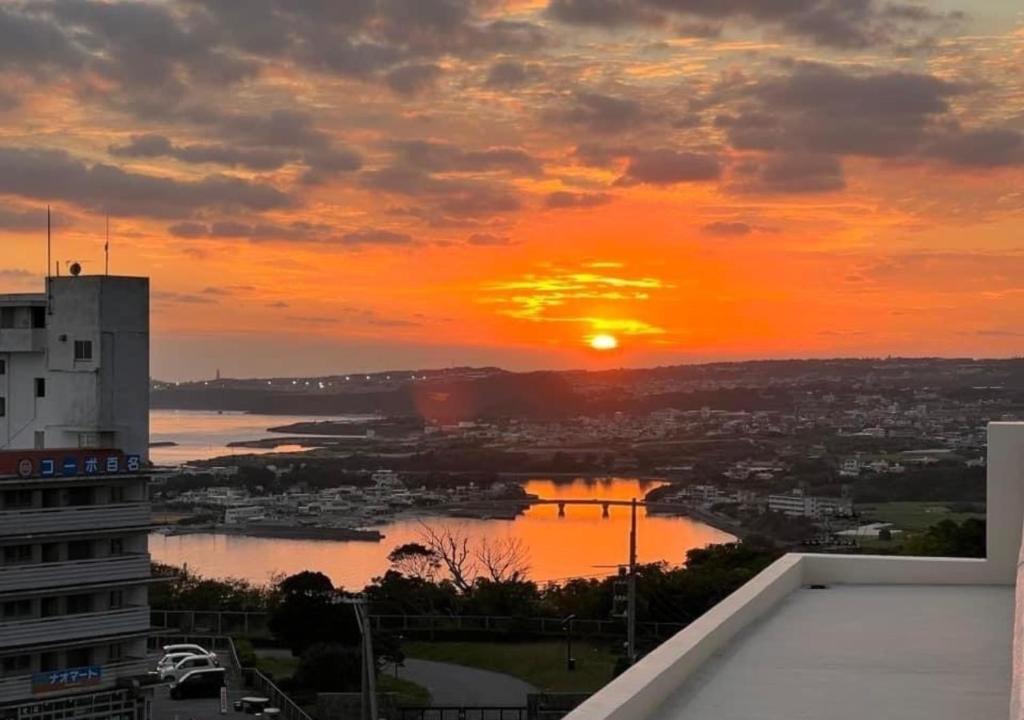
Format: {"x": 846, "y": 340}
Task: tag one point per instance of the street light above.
{"x": 570, "y": 661}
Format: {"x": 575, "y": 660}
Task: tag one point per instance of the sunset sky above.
{"x": 321, "y": 186}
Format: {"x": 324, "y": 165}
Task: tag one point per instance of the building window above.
{"x": 16, "y": 665}
{"x": 116, "y": 599}
{"x": 81, "y": 550}
{"x": 17, "y": 499}
{"x": 49, "y": 661}
{"x": 38, "y": 317}
{"x": 17, "y": 608}
{"x": 40, "y": 387}
{"x": 117, "y": 546}
{"x": 3, "y": 366}
{"x": 6, "y": 318}
{"x": 17, "y": 554}
{"x": 51, "y": 552}
{"x": 80, "y": 496}
{"x": 78, "y": 657}
{"x": 116, "y": 494}
{"x": 49, "y": 607}
{"x": 79, "y": 604}
{"x": 3, "y": 404}
{"x": 83, "y": 350}
{"x": 115, "y": 652}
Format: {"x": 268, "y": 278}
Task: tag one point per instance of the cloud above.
{"x": 826, "y": 109}
{"x": 22, "y": 219}
{"x": 256, "y": 232}
{"x": 410, "y": 80}
{"x": 17, "y": 275}
{"x": 489, "y": 240}
{"x": 728, "y": 229}
{"x": 371, "y": 236}
{"x": 564, "y": 199}
{"x": 603, "y": 114}
{"x": 47, "y": 174}
{"x": 792, "y": 173}
{"x": 261, "y": 159}
{"x": 459, "y": 197}
{"x": 667, "y": 167}
{"x": 510, "y": 74}
{"x": 981, "y": 148}
{"x": 435, "y": 156}
{"x": 844, "y": 24}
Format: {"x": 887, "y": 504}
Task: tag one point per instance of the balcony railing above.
{"x": 17, "y": 688}
{"x": 82, "y": 626}
{"x": 66, "y": 519}
{"x": 74, "y": 572}
{"x": 22, "y": 340}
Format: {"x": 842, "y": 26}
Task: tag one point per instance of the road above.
{"x": 457, "y": 685}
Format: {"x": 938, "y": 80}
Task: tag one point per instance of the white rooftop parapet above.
{"x": 639, "y": 693}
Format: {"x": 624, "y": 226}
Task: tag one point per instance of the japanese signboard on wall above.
{"x": 68, "y": 463}
{"x": 55, "y": 680}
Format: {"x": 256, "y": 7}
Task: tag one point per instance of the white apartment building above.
{"x": 74, "y": 509}
{"x": 796, "y": 504}
{"x": 74, "y": 365}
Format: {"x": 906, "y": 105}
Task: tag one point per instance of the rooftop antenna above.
{"x": 106, "y": 248}
{"x": 49, "y": 266}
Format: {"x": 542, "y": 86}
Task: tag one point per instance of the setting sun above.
{"x": 604, "y": 342}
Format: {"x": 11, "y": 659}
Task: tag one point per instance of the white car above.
{"x": 169, "y": 660}
{"x": 186, "y": 665}
{"x": 191, "y": 649}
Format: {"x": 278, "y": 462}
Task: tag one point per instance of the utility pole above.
{"x": 631, "y": 599}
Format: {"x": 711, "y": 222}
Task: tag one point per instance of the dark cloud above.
{"x": 564, "y": 199}
{"x": 667, "y": 167}
{"x": 178, "y": 298}
{"x": 983, "y": 148}
{"x": 510, "y": 74}
{"x": 600, "y": 113}
{"x": 57, "y": 175}
{"x": 159, "y": 146}
{"x": 255, "y": 232}
{"x": 32, "y": 43}
{"x": 435, "y": 156}
{"x": 18, "y": 219}
{"x": 847, "y": 24}
{"x": 786, "y": 173}
{"x": 829, "y": 110}
{"x": 449, "y": 197}
{"x": 596, "y": 155}
{"x": 17, "y": 275}
{"x": 371, "y": 236}
{"x": 410, "y": 80}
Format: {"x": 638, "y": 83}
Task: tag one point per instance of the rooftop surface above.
{"x": 924, "y": 652}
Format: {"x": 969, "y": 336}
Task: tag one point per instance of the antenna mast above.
{"x": 48, "y": 246}
{"x": 106, "y": 247}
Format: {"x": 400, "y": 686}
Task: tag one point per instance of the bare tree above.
{"x": 504, "y": 560}
{"x": 451, "y": 546}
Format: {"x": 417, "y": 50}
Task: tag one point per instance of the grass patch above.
{"x": 277, "y": 668}
{"x": 408, "y": 692}
{"x": 914, "y": 516}
{"x": 542, "y": 664}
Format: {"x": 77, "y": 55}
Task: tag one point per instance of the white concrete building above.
{"x": 74, "y": 508}
{"x": 847, "y": 637}
{"x": 74, "y": 366}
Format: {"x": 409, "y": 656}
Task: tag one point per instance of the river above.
{"x": 583, "y": 543}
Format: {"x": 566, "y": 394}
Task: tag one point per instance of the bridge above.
{"x": 562, "y": 503}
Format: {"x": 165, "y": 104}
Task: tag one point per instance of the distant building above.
{"x": 796, "y": 504}
{"x": 74, "y": 509}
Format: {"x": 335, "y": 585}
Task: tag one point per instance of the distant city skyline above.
{"x": 318, "y": 188}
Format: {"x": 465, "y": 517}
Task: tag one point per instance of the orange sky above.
{"x": 378, "y": 184}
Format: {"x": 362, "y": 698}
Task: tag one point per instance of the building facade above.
{"x": 74, "y": 507}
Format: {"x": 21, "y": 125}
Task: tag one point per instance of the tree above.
{"x": 415, "y": 560}
{"x": 308, "y": 613}
{"x": 504, "y": 560}
{"x": 330, "y": 667}
{"x": 451, "y": 546}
